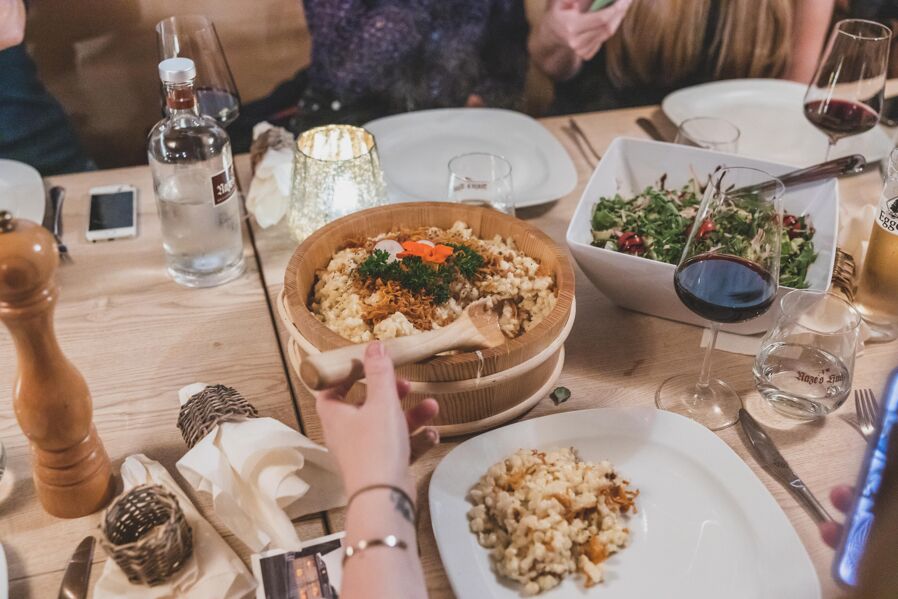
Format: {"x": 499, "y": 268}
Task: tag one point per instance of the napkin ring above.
{"x": 145, "y": 532}
{"x": 209, "y": 408}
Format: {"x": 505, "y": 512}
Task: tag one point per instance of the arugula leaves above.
{"x": 417, "y": 276}
{"x": 663, "y": 218}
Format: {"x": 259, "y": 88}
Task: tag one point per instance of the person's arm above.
{"x": 810, "y": 25}
{"x": 361, "y": 48}
{"x": 371, "y": 446}
{"x": 12, "y": 23}
{"x": 568, "y": 35}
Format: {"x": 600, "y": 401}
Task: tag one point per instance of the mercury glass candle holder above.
{"x": 336, "y": 172}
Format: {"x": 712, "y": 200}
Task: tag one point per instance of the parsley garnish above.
{"x": 417, "y": 276}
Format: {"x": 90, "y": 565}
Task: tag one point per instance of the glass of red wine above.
{"x": 194, "y": 37}
{"x": 845, "y": 97}
{"x": 728, "y": 273}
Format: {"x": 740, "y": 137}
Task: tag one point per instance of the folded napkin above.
{"x": 214, "y": 570}
{"x": 269, "y": 192}
{"x": 854, "y": 234}
{"x": 251, "y": 468}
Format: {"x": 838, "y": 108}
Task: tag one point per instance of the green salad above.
{"x": 655, "y": 224}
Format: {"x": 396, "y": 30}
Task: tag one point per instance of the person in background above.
{"x": 634, "y": 52}
{"x": 371, "y": 58}
{"x": 371, "y": 446}
{"x": 881, "y": 10}
{"x": 34, "y": 128}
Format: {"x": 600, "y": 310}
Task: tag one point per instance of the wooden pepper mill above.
{"x": 72, "y": 473}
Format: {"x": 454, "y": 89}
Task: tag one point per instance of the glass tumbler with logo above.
{"x": 806, "y": 362}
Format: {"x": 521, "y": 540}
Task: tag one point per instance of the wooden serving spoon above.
{"x": 476, "y": 328}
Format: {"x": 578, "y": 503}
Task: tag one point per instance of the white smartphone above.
{"x": 113, "y": 212}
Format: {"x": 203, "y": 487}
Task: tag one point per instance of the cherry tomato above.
{"x": 631, "y": 243}
{"x": 706, "y": 227}
{"x": 792, "y": 226}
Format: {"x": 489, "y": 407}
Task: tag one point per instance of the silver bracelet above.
{"x": 390, "y": 541}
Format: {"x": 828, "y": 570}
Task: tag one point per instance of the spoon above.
{"x": 476, "y": 328}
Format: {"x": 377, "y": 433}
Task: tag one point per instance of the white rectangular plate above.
{"x": 415, "y": 149}
{"x": 770, "y": 116}
{"x": 706, "y": 526}
{"x": 21, "y": 191}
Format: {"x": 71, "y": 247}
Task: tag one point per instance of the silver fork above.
{"x": 572, "y": 124}
{"x": 867, "y": 411}
{"x": 57, "y": 196}
{"x": 576, "y": 139}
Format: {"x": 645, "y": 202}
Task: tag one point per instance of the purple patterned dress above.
{"x": 416, "y": 54}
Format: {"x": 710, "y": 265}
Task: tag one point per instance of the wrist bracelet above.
{"x": 390, "y": 541}
{"x": 413, "y": 517}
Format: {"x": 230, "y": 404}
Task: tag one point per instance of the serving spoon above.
{"x": 476, "y": 328}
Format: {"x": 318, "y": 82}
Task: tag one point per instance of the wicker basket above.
{"x": 145, "y": 532}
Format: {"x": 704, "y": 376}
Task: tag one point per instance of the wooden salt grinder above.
{"x": 72, "y": 474}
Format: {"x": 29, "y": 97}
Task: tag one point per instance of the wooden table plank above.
{"x": 137, "y": 337}
{"x": 618, "y": 358}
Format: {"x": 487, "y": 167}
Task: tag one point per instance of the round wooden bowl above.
{"x": 470, "y": 386}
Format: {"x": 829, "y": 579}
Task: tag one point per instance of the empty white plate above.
{"x": 706, "y": 526}
{"x": 770, "y": 116}
{"x": 415, "y": 149}
{"x": 22, "y": 191}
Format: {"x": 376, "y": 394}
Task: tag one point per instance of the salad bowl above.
{"x": 637, "y": 283}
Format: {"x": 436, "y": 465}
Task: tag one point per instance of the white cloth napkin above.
{"x": 269, "y": 191}
{"x": 214, "y": 570}
{"x": 854, "y": 235}
{"x": 251, "y": 468}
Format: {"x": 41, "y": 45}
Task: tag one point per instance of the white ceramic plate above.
{"x": 4, "y": 576}
{"x": 415, "y": 149}
{"x": 21, "y": 191}
{"x": 706, "y": 526}
{"x": 770, "y": 115}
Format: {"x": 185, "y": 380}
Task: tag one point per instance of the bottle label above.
{"x": 224, "y": 184}
{"x": 888, "y": 215}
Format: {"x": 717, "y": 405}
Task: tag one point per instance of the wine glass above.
{"x": 710, "y": 133}
{"x": 845, "y": 97}
{"x": 481, "y": 179}
{"x": 728, "y": 273}
{"x": 194, "y": 37}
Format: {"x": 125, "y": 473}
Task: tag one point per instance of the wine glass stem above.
{"x": 829, "y": 148}
{"x": 704, "y": 379}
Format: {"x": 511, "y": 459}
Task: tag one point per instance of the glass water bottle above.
{"x": 195, "y": 185}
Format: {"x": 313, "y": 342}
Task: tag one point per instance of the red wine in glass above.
{"x": 846, "y": 94}
{"x": 840, "y": 118}
{"x": 723, "y": 288}
{"x": 221, "y": 104}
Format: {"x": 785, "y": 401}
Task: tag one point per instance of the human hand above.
{"x": 583, "y": 32}
{"x": 475, "y": 101}
{"x": 842, "y": 497}
{"x": 12, "y": 23}
{"x": 371, "y": 442}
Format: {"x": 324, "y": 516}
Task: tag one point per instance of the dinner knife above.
{"x": 772, "y": 461}
{"x": 650, "y": 128}
{"x": 77, "y": 573}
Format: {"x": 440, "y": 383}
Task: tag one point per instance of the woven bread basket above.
{"x": 144, "y": 531}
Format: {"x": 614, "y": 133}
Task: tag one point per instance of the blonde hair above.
{"x": 663, "y": 42}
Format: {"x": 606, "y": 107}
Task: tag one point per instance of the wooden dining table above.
{"x": 138, "y": 337}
